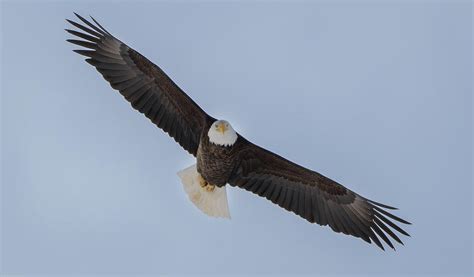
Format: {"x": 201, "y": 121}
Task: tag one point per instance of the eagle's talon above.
{"x": 205, "y": 185}
{"x": 209, "y": 188}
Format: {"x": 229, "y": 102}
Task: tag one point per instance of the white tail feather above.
{"x": 213, "y": 203}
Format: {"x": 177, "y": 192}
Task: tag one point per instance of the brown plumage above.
{"x": 307, "y": 193}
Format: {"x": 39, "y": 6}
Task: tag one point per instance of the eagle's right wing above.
{"x": 142, "y": 83}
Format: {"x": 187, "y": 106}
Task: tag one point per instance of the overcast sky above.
{"x": 377, "y": 97}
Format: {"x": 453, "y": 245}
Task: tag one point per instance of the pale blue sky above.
{"x": 376, "y": 96}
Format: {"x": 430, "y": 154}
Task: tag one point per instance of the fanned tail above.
{"x": 213, "y": 203}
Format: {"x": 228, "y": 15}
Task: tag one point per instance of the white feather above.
{"x": 228, "y": 138}
{"x": 213, "y": 203}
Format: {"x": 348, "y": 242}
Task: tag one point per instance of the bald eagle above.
{"x": 224, "y": 156}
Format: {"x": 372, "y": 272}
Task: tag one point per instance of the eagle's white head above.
{"x": 222, "y": 134}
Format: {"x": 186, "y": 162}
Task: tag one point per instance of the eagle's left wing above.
{"x": 312, "y": 195}
{"x": 142, "y": 83}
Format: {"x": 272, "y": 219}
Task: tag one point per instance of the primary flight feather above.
{"x": 225, "y": 157}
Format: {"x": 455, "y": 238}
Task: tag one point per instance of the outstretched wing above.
{"x": 313, "y": 196}
{"x": 142, "y": 83}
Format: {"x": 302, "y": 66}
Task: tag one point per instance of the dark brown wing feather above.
{"x": 313, "y": 196}
{"x": 142, "y": 83}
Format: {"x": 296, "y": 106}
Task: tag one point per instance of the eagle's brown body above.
{"x": 216, "y": 163}
{"x": 297, "y": 189}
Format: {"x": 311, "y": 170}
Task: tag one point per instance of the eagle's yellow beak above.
{"x": 221, "y": 128}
